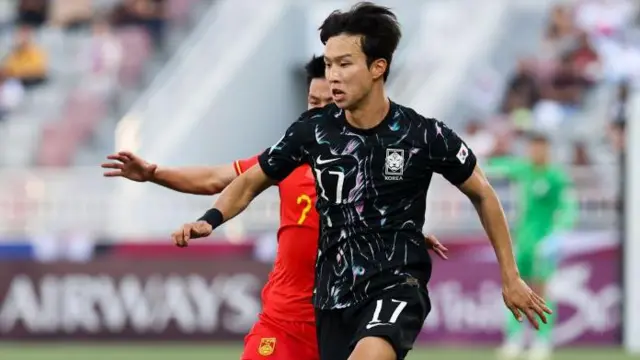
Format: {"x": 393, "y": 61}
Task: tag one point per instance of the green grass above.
{"x": 28, "y": 351}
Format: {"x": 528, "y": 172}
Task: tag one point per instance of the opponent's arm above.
{"x": 199, "y": 180}
{"x": 275, "y": 164}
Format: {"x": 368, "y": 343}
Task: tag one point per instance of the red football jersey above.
{"x": 287, "y": 294}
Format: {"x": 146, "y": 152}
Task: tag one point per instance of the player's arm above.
{"x": 239, "y": 194}
{"x": 457, "y": 163}
{"x": 199, "y": 180}
{"x": 518, "y": 297}
{"x": 485, "y": 200}
{"x": 451, "y": 157}
{"x": 275, "y": 164}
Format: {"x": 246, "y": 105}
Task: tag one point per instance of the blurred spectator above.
{"x": 619, "y": 106}
{"x": 585, "y": 59}
{"x": 559, "y": 33}
{"x": 26, "y": 62}
{"x": 147, "y": 13}
{"x": 70, "y": 14}
{"x": 522, "y": 94}
{"x": 619, "y": 117}
{"x": 480, "y": 139}
{"x": 580, "y": 156}
{"x": 32, "y": 12}
{"x": 104, "y": 55}
{"x": 617, "y": 136}
{"x": 568, "y": 85}
{"x": 522, "y": 90}
{"x": 11, "y": 94}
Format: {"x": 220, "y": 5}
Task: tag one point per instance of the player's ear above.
{"x": 378, "y": 68}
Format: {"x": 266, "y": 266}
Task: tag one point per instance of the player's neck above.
{"x": 371, "y": 111}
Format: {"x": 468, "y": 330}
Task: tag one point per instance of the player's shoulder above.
{"x": 415, "y": 117}
{"x": 316, "y": 115}
{"x": 426, "y": 128}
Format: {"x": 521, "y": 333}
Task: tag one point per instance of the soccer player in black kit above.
{"x": 373, "y": 161}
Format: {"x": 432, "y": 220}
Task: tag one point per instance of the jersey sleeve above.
{"x": 241, "y": 166}
{"x": 287, "y": 154}
{"x": 449, "y": 155}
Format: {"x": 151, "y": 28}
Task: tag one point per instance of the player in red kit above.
{"x": 286, "y": 327}
{"x": 288, "y": 314}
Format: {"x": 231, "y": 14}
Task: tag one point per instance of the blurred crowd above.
{"x": 586, "y": 44}
{"x": 26, "y": 63}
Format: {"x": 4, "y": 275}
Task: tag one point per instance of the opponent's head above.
{"x": 319, "y": 92}
{"x": 539, "y": 148}
{"x": 359, "y": 47}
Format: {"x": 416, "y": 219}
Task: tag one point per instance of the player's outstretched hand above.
{"x": 520, "y": 299}
{"x": 195, "y": 230}
{"x": 127, "y": 165}
{"x": 436, "y": 246}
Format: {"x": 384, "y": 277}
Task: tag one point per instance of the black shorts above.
{"x": 396, "y": 315}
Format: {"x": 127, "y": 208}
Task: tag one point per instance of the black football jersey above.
{"x": 372, "y": 186}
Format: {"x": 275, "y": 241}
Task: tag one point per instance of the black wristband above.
{"x": 213, "y": 217}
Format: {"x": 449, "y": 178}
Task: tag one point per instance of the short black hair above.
{"x": 314, "y": 68}
{"x": 377, "y": 25}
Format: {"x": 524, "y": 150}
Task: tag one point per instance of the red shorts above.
{"x": 280, "y": 340}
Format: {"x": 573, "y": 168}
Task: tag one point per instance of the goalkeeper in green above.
{"x": 547, "y": 207}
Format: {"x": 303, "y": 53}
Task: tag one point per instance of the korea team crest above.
{"x": 394, "y": 164}
{"x": 267, "y": 346}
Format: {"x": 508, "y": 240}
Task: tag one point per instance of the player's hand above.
{"x": 436, "y": 246}
{"x": 195, "y": 230}
{"x": 520, "y": 299}
{"x": 129, "y": 166}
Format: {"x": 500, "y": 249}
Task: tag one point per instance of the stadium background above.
{"x": 86, "y": 265}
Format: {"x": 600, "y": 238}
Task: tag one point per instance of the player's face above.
{"x": 539, "y": 152}
{"x": 350, "y": 79}
{"x": 319, "y": 94}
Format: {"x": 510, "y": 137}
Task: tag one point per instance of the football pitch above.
{"x": 158, "y": 351}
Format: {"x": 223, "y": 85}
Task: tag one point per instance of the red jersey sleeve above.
{"x": 241, "y": 166}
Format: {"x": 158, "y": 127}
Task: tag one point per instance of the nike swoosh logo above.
{"x": 319, "y": 161}
{"x": 369, "y": 326}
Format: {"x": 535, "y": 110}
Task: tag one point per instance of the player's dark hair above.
{"x": 377, "y": 25}
{"x": 314, "y": 69}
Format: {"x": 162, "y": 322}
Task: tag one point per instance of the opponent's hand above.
{"x": 129, "y": 166}
{"x": 520, "y": 299}
{"x": 436, "y": 246}
{"x": 195, "y": 230}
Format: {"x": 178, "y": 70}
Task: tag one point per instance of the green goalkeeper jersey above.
{"x": 546, "y": 200}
